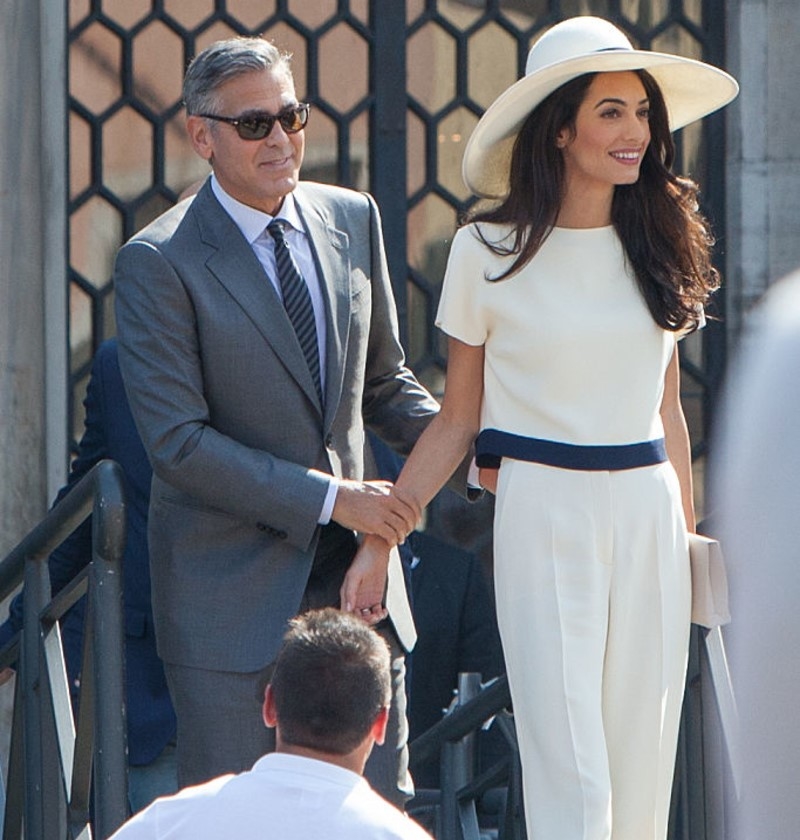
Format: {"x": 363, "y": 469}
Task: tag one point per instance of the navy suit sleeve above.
{"x": 480, "y": 649}
{"x": 76, "y": 551}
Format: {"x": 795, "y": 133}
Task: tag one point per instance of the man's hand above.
{"x": 365, "y": 582}
{"x": 488, "y": 479}
{"x": 376, "y": 507}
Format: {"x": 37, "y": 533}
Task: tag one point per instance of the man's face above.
{"x": 258, "y": 173}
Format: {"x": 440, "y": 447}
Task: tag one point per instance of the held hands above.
{"x": 376, "y": 507}
{"x": 365, "y": 582}
{"x": 386, "y": 516}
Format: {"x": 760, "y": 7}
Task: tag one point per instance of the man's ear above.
{"x": 199, "y": 132}
{"x": 268, "y": 709}
{"x": 378, "y": 730}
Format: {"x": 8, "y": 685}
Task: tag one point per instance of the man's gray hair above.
{"x": 223, "y": 61}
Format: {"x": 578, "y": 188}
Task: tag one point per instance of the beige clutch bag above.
{"x": 709, "y": 582}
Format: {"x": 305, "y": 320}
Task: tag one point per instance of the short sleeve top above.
{"x": 572, "y": 353}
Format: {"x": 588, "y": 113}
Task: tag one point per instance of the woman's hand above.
{"x": 365, "y": 581}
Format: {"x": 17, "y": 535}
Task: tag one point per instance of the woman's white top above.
{"x": 572, "y": 353}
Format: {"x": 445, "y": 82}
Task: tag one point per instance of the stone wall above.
{"x": 763, "y": 168}
{"x": 32, "y": 288}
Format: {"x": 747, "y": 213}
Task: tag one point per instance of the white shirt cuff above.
{"x": 473, "y": 476}
{"x": 330, "y": 500}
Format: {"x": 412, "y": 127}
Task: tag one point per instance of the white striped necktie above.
{"x": 297, "y": 301}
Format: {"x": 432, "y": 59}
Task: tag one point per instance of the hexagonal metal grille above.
{"x": 396, "y": 86}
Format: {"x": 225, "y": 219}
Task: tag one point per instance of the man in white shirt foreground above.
{"x": 328, "y": 701}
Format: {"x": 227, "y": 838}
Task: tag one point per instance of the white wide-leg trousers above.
{"x": 593, "y": 599}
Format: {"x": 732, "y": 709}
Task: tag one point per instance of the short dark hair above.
{"x": 225, "y": 60}
{"x": 330, "y": 682}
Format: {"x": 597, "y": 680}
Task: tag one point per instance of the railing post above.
{"x": 105, "y": 590}
{"x": 43, "y": 756}
{"x": 37, "y": 594}
{"x": 387, "y": 153}
{"x": 458, "y": 761}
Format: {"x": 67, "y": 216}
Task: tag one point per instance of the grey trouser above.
{"x": 220, "y": 727}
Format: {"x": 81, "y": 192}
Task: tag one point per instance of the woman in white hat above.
{"x": 563, "y": 303}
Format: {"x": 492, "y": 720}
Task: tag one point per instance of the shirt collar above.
{"x": 252, "y": 222}
{"x": 287, "y": 763}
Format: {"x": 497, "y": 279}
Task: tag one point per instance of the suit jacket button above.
{"x": 261, "y": 526}
{"x": 329, "y": 442}
{"x": 281, "y": 535}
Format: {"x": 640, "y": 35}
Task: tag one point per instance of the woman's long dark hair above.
{"x": 665, "y": 237}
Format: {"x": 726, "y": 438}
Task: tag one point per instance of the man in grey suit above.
{"x": 253, "y": 358}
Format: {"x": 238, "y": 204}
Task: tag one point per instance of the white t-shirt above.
{"x": 283, "y": 796}
{"x": 572, "y": 353}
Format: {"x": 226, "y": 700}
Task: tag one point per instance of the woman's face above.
{"x": 611, "y": 134}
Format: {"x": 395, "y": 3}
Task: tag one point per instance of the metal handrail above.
{"x": 702, "y": 779}
{"x": 41, "y": 800}
{"x": 452, "y": 740}
{"x": 466, "y": 718}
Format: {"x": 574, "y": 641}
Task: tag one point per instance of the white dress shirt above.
{"x": 253, "y": 225}
{"x": 283, "y": 796}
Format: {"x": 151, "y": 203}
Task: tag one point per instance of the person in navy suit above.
{"x": 456, "y": 633}
{"x": 110, "y": 433}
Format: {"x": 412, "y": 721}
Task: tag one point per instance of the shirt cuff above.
{"x": 474, "y": 489}
{"x": 330, "y": 500}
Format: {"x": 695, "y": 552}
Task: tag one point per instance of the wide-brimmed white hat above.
{"x": 691, "y": 89}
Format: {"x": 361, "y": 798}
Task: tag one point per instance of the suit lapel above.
{"x": 234, "y": 265}
{"x": 329, "y": 246}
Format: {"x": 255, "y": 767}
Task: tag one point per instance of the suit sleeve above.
{"x": 480, "y": 649}
{"x": 161, "y": 357}
{"x": 76, "y": 551}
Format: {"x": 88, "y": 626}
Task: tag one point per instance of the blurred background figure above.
{"x": 110, "y": 433}
{"x": 456, "y": 633}
{"x": 757, "y": 499}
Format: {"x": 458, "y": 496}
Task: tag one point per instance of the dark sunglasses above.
{"x": 258, "y": 126}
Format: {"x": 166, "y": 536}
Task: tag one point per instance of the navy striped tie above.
{"x": 297, "y": 301}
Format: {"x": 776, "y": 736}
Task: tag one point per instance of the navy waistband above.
{"x": 493, "y": 445}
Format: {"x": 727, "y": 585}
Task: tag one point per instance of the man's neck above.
{"x": 353, "y": 761}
